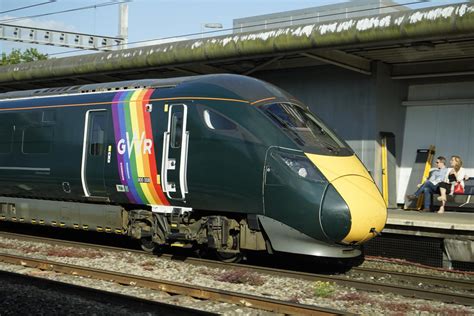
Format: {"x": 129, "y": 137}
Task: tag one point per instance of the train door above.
{"x": 93, "y": 153}
{"x": 175, "y": 153}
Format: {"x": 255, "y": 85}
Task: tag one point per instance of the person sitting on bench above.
{"x": 430, "y": 186}
{"x": 455, "y": 174}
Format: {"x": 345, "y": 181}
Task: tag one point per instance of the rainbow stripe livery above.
{"x": 136, "y": 159}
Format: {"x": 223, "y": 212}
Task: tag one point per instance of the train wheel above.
{"x": 147, "y": 244}
{"x": 229, "y": 257}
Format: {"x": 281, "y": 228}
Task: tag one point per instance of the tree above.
{"x": 17, "y": 56}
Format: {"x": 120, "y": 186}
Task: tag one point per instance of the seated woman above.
{"x": 456, "y": 174}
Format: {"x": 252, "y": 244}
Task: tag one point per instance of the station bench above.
{"x": 459, "y": 202}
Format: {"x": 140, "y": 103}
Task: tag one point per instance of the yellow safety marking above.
{"x": 33, "y": 221}
{"x": 54, "y": 223}
{"x": 76, "y": 226}
{"x": 166, "y": 107}
{"x": 158, "y": 179}
{"x": 61, "y": 224}
{"x": 85, "y": 227}
{"x": 174, "y": 225}
{"x": 14, "y": 219}
{"x": 118, "y": 231}
{"x": 353, "y": 182}
{"x": 108, "y": 229}
{"x": 384, "y": 170}
{"x": 177, "y": 244}
{"x": 2, "y": 217}
{"x": 41, "y": 222}
{"x": 426, "y": 173}
{"x": 22, "y": 219}
{"x": 99, "y": 229}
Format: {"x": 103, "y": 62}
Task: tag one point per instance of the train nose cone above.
{"x": 367, "y": 208}
{"x": 335, "y": 215}
{"x": 352, "y": 182}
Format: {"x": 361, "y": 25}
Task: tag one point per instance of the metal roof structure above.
{"x": 323, "y": 13}
{"x": 436, "y": 41}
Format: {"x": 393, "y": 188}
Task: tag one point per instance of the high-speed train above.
{"x": 225, "y": 162}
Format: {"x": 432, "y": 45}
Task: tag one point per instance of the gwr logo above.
{"x": 126, "y": 145}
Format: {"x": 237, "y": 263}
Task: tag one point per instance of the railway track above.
{"x": 174, "y": 288}
{"x": 17, "y": 287}
{"x": 414, "y": 285}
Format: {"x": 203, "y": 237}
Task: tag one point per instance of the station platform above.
{"x": 442, "y": 240}
{"x": 451, "y": 221}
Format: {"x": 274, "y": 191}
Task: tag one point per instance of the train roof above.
{"x": 95, "y": 87}
{"x": 246, "y": 87}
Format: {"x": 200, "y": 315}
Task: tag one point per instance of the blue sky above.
{"x": 148, "y": 19}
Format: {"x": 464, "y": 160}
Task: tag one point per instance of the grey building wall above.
{"x": 390, "y": 117}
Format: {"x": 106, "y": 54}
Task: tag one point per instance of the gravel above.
{"x": 399, "y": 265}
{"x": 281, "y": 288}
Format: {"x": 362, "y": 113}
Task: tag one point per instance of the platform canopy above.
{"x": 432, "y": 42}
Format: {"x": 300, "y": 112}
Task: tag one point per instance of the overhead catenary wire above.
{"x": 28, "y": 6}
{"x": 95, "y": 6}
{"x": 250, "y": 26}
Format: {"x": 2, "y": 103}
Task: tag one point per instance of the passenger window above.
{"x": 216, "y": 121}
{"x": 49, "y": 116}
{"x": 176, "y": 129}
{"x": 6, "y": 138}
{"x": 37, "y": 140}
{"x": 97, "y": 135}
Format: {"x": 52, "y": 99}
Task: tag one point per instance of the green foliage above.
{"x": 17, "y": 56}
{"x": 323, "y": 289}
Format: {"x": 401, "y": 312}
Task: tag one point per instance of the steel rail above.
{"x": 419, "y": 278}
{"x": 132, "y": 303}
{"x": 195, "y": 291}
{"x": 410, "y": 291}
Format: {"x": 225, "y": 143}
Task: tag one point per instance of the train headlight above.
{"x": 303, "y": 172}
{"x": 301, "y": 165}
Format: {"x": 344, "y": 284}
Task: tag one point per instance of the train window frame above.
{"x": 10, "y": 143}
{"x": 175, "y": 141}
{"x": 206, "y": 115}
{"x": 336, "y": 145}
{"x": 238, "y": 132}
{"x": 49, "y": 141}
{"x": 97, "y": 149}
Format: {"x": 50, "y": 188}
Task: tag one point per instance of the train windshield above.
{"x": 304, "y": 128}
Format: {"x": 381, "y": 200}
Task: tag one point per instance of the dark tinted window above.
{"x": 303, "y": 127}
{"x": 221, "y": 125}
{"x": 49, "y": 116}
{"x": 176, "y": 129}
{"x": 216, "y": 121}
{"x": 6, "y": 138}
{"x": 37, "y": 140}
{"x": 97, "y": 134}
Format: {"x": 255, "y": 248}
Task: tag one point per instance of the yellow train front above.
{"x": 319, "y": 199}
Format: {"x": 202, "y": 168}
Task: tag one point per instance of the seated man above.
{"x": 430, "y": 186}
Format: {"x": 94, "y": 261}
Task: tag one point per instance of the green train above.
{"x": 222, "y": 162}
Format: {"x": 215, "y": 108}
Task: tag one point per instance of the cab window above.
{"x": 303, "y": 127}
